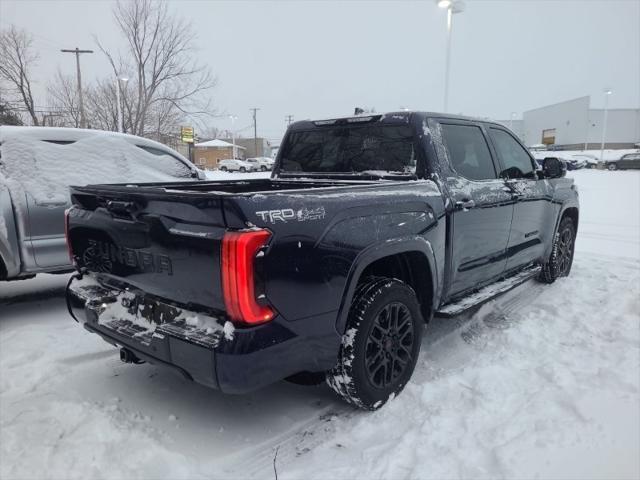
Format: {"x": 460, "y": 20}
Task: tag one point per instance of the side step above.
{"x": 487, "y": 293}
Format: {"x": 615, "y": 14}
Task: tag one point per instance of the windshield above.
{"x": 351, "y": 149}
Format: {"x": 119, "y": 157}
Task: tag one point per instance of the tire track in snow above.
{"x": 304, "y": 437}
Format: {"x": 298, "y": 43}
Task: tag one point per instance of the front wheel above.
{"x": 263, "y": 168}
{"x": 561, "y": 259}
{"x": 381, "y": 344}
{"x": 243, "y": 170}
{"x": 612, "y": 167}
{"x": 223, "y": 169}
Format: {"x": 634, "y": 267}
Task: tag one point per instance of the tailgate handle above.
{"x": 121, "y": 207}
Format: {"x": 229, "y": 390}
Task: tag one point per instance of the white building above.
{"x": 574, "y": 124}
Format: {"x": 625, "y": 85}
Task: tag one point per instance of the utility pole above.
{"x": 288, "y": 119}
{"x": 77, "y": 51}
{"x": 255, "y": 130}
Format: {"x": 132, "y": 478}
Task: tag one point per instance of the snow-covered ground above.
{"x": 542, "y": 383}
{"x": 219, "y": 175}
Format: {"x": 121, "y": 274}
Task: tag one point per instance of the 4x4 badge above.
{"x": 289, "y": 214}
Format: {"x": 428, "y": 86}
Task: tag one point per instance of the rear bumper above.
{"x": 248, "y": 359}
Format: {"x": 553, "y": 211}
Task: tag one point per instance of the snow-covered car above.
{"x": 626, "y": 162}
{"x": 575, "y": 162}
{"x": 235, "y": 165}
{"x": 261, "y": 163}
{"x": 589, "y": 161}
{"x": 37, "y": 166}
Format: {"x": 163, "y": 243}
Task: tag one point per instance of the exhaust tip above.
{"x": 127, "y": 356}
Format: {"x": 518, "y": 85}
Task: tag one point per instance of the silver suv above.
{"x": 231, "y": 165}
{"x": 38, "y": 164}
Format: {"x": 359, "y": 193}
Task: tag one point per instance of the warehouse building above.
{"x": 574, "y": 125}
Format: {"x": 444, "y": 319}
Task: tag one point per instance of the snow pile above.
{"x": 45, "y": 170}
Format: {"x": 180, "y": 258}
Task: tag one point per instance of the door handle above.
{"x": 465, "y": 204}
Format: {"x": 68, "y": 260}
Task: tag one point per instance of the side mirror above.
{"x": 553, "y": 167}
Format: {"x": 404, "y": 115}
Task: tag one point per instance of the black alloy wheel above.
{"x": 388, "y": 350}
{"x": 380, "y": 345}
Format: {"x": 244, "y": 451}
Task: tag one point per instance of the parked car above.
{"x": 37, "y": 165}
{"x": 231, "y": 165}
{"x": 626, "y": 162}
{"x": 261, "y": 163}
{"x": 590, "y": 161}
{"x": 574, "y": 162}
{"x": 367, "y": 228}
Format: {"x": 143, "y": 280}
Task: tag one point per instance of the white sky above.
{"x": 317, "y": 59}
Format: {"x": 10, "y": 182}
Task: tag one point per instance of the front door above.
{"x": 482, "y": 209}
{"x": 533, "y": 216}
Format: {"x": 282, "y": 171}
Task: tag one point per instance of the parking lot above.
{"x": 561, "y": 365}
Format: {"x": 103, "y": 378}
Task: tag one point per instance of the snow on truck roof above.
{"x": 45, "y": 170}
{"x": 64, "y": 134}
{"x": 402, "y": 115}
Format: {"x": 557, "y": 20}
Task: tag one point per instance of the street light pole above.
{"x": 452, "y": 6}
{"x": 233, "y": 134}
{"x": 607, "y": 92}
{"x": 119, "y": 111}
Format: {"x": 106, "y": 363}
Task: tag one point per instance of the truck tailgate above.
{"x": 168, "y": 246}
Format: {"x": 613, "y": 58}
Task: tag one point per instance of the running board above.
{"x": 487, "y": 293}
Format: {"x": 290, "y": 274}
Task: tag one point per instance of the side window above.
{"x": 515, "y": 160}
{"x": 468, "y": 151}
{"x": 167, "y": 163}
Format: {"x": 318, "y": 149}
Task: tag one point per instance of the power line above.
{"x": 77, "y": 51}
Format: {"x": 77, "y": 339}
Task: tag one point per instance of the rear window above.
{"x": 350, "y": 149}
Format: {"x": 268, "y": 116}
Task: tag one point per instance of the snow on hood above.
{"x": 45, "y": 170}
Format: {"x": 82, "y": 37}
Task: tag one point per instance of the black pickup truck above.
{"x": 368, "y": 227}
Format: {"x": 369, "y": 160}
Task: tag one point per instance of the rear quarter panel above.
{"x": 318, "y": 236}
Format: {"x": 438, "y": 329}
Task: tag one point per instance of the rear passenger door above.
{"x": 533, "y": 216}
{"x": 482, "y": 208}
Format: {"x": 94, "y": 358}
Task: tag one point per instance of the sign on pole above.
{"x": 186, "y": 134}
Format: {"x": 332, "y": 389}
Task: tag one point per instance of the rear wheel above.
{"x": 381, "y": 344}
{"x": 224, "y": 169}
{"x": 243, "y": 170}
{"x": 559, "y": 264}
{"x": 263, "y": 168}
{"x": 612, "y": 167}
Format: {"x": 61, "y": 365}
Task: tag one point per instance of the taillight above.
{"x": 239, "y": 250}
{"x": 66, "y": 235}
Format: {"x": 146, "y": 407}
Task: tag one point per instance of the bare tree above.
{"x": 166, "y": 84}
{"x": 16, "y": 59}
{"x": 101, "y": 106}
{"x": 63, "y": 97}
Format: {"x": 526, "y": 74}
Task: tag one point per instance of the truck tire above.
{"x": 561, "y": 259}
{"x": 381, "y": 343}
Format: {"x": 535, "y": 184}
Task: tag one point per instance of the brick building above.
{"x": 206, "y": 155}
